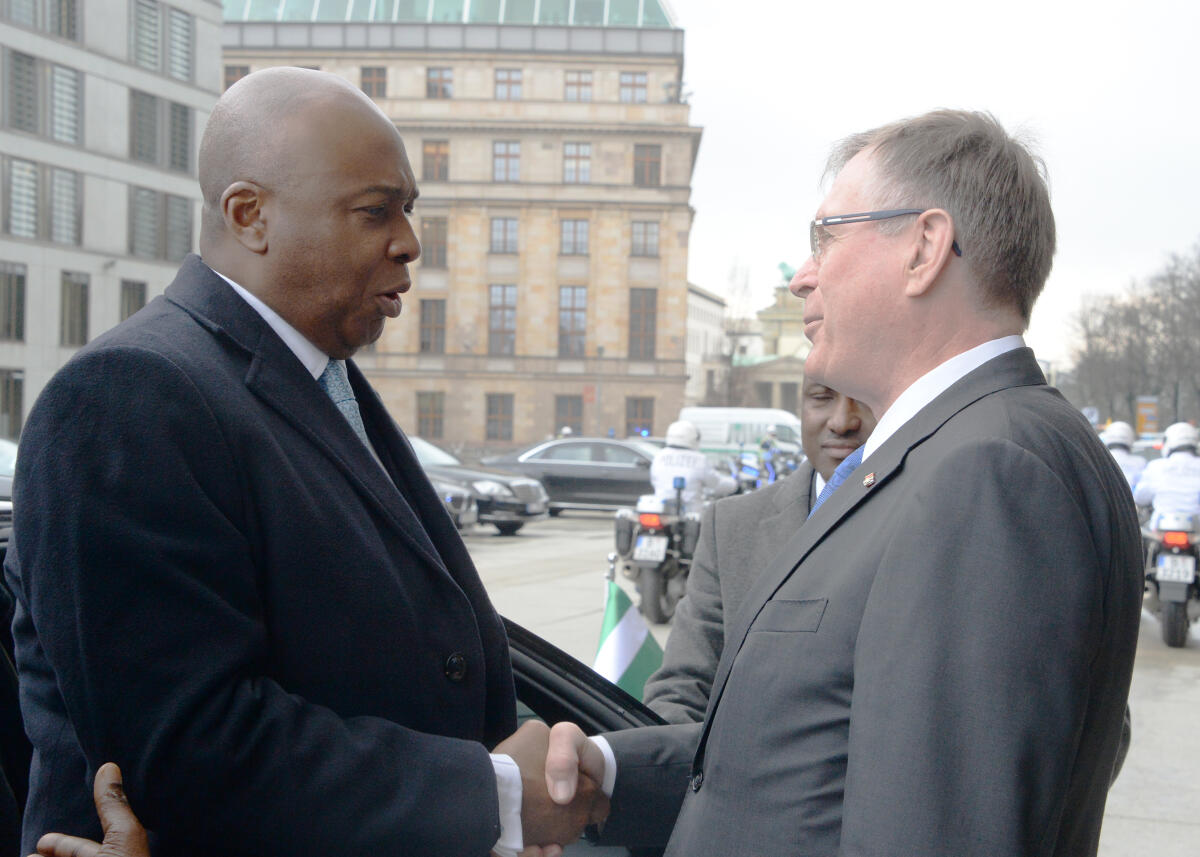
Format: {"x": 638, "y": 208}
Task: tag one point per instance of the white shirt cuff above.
{"x": 508, "y": 787}
{"x": 610, "y": 764}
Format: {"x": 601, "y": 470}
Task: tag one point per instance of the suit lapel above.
{"x": 1012, "y": 369}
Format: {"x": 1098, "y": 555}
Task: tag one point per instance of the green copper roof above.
{"x": 579, "y": 13}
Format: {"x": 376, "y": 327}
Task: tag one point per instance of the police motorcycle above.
{"x": 656, "y": 542}
{"x": 1171, "y": 587}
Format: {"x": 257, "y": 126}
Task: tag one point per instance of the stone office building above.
{"x": 552, "y": 145}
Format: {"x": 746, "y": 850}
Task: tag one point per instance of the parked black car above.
{"x": 507, "y": 502}
{"x": 585, "y": 472}
{"x": 8, "y": 465}
{"x": 459, "y": 502}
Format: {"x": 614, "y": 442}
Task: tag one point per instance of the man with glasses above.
{"x": 937, "y": 661}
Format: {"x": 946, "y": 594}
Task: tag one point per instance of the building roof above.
{"x": 706, "y": 294}
{"x": 637, "y": 14}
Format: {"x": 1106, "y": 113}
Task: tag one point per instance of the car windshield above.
{"x": 8, "y": 457}
{"x": 645, "y": 446}
{"x": 428, "y": 454}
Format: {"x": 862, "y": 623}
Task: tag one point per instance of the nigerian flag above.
{"x": 628, "y": 652}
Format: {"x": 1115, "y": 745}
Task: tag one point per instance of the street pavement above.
{"x": 550, "y": 579}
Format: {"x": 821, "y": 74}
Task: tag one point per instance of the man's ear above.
{"x": 931, "y": 252}
{"x": 245, "y": 218}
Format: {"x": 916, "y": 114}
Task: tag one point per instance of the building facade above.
{"x": 707, "y": 344}
{"x": 102, "y": 107}
{"x": 554, "y": 157}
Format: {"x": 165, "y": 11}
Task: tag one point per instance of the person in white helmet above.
{"x": 682, "y": 457}
{"x": 1172, "y": 484}
{"x": 1118, "y": 437}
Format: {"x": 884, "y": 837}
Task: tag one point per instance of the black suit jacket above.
{"x": 938, "y": 661}
{"x": 287, "y": 651}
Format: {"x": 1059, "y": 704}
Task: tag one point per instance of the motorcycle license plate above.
{"x": 650, "y": 548}
{"x": 1176, "y": 569}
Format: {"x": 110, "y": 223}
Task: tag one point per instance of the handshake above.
{"x": 556, "y": 802}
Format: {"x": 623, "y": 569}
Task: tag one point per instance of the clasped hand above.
{"x": 556, "y": 803}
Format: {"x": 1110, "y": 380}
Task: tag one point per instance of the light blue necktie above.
{"x": 335, "y": 383}
{"x": 840, "y": 475}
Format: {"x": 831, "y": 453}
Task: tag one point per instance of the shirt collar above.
{"x": 314, "y": 359}
{"x": 932, "y": 384}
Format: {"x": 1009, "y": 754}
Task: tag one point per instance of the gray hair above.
{"x": 991, "y": 184}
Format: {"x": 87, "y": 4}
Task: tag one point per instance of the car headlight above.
{"x": 490, "y": 487}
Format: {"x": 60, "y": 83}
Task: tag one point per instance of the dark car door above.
{"x": 624, "y": 473}
{"x": 566, "y": 470}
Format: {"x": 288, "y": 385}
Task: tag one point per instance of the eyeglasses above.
{"x": 818, "y": 235}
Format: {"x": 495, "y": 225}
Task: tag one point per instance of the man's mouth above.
{"x": 389, "y": 303}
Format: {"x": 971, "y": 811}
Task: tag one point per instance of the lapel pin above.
{"x": 868, "y": 480}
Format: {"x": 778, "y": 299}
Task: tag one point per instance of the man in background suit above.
{"x": 739, "y": 536}
{"x": 232, "y": 577}
{"x": 938, "y": 661}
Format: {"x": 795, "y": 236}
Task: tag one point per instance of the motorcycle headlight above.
{"x": 490, "y": 487}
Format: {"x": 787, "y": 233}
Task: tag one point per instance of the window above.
{"x": 21, "y": 213}
{"x": 506, "y": 161}
{"x": 439, "y": 83}
{"x": 374, "y": 81}
{"x": 160, "y": 131}
{"x": 499, "y": 416}
{"x": 508, "y": 84}
{"x": 65, "y": 206}
{"x": 647, "y": 165}
{"x": 572, "y": 320}
{"x": 73, "y": 315}
{"x": 574, "y": 239}
{"x": 430, "y": 414}
{"x": 639, "y": 416}
{"x": 160, "y": 225}
{"x": 162, "y": 42}
{"x": 502, "y": 320}
{"x": 22, "y": 92}
{"x": 579, "y": 86}
{"x": 433, "y": 242}
{"x": 12, "y": 383}
{"x": 133, "y": 297}
{"x": 43, "y": 98}
{"x": 568, "y": 413}
{"x": 577, "y": 163}
{"x": 65, "y": 112}
{"x": 645, "y": 238}
{"x": 633, "y": 87}
{"x": 504, "y": 235}
{"x": 642, "y": 319}
{"x": 57, "y": 17}
{"x": 234, "y": 73}
{"x": 43, "y": 202}
{"x": 435, "y": 160}
{"x": 179, "y": 44}
{"x": 12, "y": 302}
{"x": 433, "y": 326}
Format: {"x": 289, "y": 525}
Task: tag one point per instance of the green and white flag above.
{"x": 628, "y": 652}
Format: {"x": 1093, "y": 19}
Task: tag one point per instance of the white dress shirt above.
{"x": 508, "y": 775}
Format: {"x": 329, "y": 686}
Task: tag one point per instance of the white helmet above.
{"x": 565, "y": 431}
{"x": 1179, "y": 436}
{"x": 1118, "y": 434}
{"x": 683, "y": 433}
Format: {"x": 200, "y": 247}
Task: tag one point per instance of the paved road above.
{"x": 550, "y": 578}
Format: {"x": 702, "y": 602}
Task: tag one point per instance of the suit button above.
{"x": 456, "y": 667}
{"x": 697, "y": 781}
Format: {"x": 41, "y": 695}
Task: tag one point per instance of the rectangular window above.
{"x": 431, "y": 408}
{"x": 23, "y": 92}
{"x": 577, "y": 163}
{"x": 12, "y": 302}
{"x": 43, "y": 98}
{"x": 643, "y": 307}
{"x": 639, "y": 416}
{"x": 572, "y": 320}
{"x": 65, "y": 206}
{"x": 73, "y": 316}
{"x": 179, "y": 227}
{"x": 160, "y": 225}
{"x": 179, "y": 140}
{"x": 147, "y": 115}
{"x": 508, "y": 84}
{"x": 65, "y": 126}
{"x": 374, "y": 81}
{"x": 439, "y": 83}
{"x": 147, "y": 34}
{"x": 645, "y": 238}
{"x": 12, "y": 383}
{"x": 433, "y": 242}
{"x": 633, "y": 87}
{"x": 574, "y": 238}
{"x": 502, "y": 320}
{"x": 433, "y": 326}
{"x": 143, "y": 223}
{"x": 568, "y": 413}
{"x": 499, "y": 416}
{"x": 579, "y": 86}
{"x": 179, "y": 44}
{"x": 647, "y": 165}
{"x": 133, "y": 297}
{"x": 22, "y": 213}
{"x": 62, "y": 18}
{"x": 506, "y": 161}
{"x": 435, "y": 160}
{"x": 234, "y": 73}
{"x": 143, "y": 127}
{"x": 504, "y": 235}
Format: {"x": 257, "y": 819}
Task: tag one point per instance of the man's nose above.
{"x": 805, "y": 279}
{"x": 845, "y": 418}
{"x": 405, "y": 246}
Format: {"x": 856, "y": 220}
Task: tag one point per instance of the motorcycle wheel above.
{"x": 658, "y": 599}
{"x": 1174, "y": 624}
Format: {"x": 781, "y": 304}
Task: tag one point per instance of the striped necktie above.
{"x": 840, "y": 475}
{"x": 335, "y": 383}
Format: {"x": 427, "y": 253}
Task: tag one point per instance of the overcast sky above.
{"x": 1107, "y": 90}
